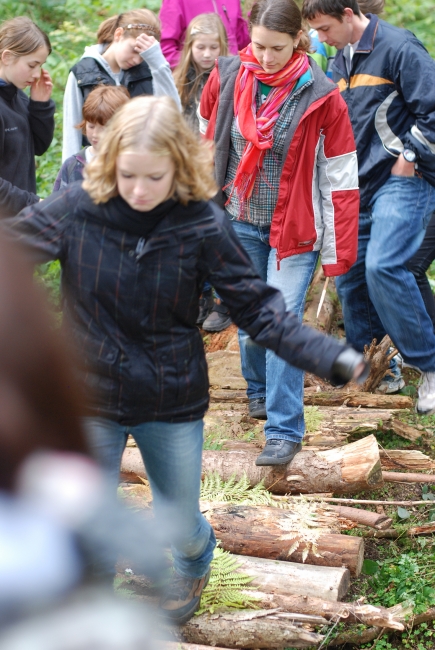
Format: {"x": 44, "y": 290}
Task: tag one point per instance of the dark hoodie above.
{"x": 26, "y": 129}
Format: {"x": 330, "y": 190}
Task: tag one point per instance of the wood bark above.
{"x": 400, "y": 477}
{"x": 356, "y": 398}
{"x": 344, "y": 470}
{"x": 392, "y": 533}
{"x": 409, "y": 459}
{"x": 364, "y": 517}
{"x": 379, "y": 358}
{"x": 292, "y": 579}
{"x": 405, "y": 430}
{"x": 332, "y": 611}
{"x": 329, "y": 307}
{"x": 264, "y": 532}
{"x": 247, "y": 629}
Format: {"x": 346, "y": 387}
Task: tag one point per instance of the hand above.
{"x": 403, "y": 168}
{"x": 144, "y": 42}
{"x": 41, "y": 89}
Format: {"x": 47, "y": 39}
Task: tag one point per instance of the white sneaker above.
{"x": 392, "y": 382}
{"x": 426, "y": 394}
{"x": 402, "y": 364}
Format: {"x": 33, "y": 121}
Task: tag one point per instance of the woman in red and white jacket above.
{"x": 286, "y": 162}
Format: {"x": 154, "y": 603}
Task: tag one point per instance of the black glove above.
{"x": 349, "y": 364}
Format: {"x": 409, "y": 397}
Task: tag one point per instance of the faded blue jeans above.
{"x": 266, "y": 374}
{"x": 172, "y": 455}
{"x": 379, "y": 294}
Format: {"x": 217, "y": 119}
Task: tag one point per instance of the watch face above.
{"x": 409, "y": 155}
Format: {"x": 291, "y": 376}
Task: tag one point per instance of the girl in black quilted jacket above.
{"x": 26, "y": 124}
{"x": 136, "y": 242}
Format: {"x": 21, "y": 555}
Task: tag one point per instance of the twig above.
{"x": 359, "y": 501}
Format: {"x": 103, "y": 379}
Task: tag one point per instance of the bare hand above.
{"x": 144, "y": 42}
{"x": 41, "y": 89}
{"x": 402, "y": 167}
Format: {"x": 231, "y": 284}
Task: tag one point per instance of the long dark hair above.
{"x": 40, "y": 404}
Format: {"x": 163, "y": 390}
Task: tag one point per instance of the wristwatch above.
{"x": 409, "y": 155}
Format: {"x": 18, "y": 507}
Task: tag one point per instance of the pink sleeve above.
{"x": 173, "y": 29}
{"x": 243, "y": 37}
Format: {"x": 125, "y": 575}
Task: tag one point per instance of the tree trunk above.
{"x": 292, "y": 579}
{"x": 327, "y": 313}
{"x": 246, "y": 629}
{"x": 379, "y": 358}
{"x": 265, "y": 532}
{"x": 405, "y": 430}
{"x": 400, "y": 477}
{"x": 355, "y": 398}
{"x": 343, "y": 470}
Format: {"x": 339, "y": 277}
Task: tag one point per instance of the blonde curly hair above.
{"x": 152, "y": 124}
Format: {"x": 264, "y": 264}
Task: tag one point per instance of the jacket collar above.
{"x": 365, "y": 45}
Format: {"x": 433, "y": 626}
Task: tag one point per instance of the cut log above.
{"x": 329, "y": 308}
{"x": 355, "y": 398}
{"x": 409, "y": 459}
{"x": 364, "y": 517}
{"x": 345, "y": 470}
{"x": 289, "y": 578}
{"x": 246, "y": 629}
{"x": 178, "y": 645}
{"x": 335, "y": 424}
{"x": 400, "y": 477}
{"x": 268, "y": 533}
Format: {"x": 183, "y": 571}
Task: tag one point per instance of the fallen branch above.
{"x": 400, "y": 477}
{"x": 356, "y": 398}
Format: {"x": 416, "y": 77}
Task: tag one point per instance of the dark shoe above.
{"x": 278, "y": 452}
{"x": 206, "y": 303}
{"x": 257, "y": 408}
{"x": 218, "y": 320}
{"x": 182, "y": 597}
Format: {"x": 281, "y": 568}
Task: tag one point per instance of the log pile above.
{"x": 301, "y": 567}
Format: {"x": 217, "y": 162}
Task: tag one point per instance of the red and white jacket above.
{"x": 318, "y": 199}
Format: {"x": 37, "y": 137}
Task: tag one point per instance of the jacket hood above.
{"x": 96, "y": 52}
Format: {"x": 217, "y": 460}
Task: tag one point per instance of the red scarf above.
{"x": 257, "y": 126}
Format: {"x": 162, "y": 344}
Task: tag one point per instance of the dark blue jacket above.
{"x": 390, "y": 93}
{"x": 132, "y": 297}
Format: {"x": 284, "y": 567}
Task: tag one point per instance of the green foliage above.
{"x": 406, "y": 577}
{"x": 48, "y": 275}
{"x": 225, "y": 586}
{"x": 416, "y": 15}
{"x": 235, "y": 491}
{"x": 313, "y": 418}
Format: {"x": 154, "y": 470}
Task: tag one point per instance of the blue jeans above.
{"x": 266, "y": 374}
{"x": 379, "y": 294}
{"x": 172, "y": 456}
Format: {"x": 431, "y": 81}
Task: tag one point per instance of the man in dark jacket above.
{"x": 386, "y": 78}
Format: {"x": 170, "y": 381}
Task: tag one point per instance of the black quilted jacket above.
{"x": 132, "y": 298}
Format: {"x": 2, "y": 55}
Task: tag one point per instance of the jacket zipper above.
{"x": 140, "y": 246}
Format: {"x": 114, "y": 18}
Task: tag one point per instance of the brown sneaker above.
{"x": 182, "y": 597}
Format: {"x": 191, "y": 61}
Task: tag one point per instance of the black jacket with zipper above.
{"x": 132, "y": 296}
{"x": 26, "y": 129}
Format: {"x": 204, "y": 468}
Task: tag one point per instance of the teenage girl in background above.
{"x": 128, "y": 53}
{"x": 206, "y": 39}
{"x": 26, "y": 124}
{"x": 99, "y": 107}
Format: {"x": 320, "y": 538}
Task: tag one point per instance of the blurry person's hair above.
{"x": 371, "y": 6}
{"x": 101, "y": 104}
{"x": 40, "y": 403}
{"x": 155, "y": 125}
{"x": 333, "y": 8}
{"x": 210, "y": 24}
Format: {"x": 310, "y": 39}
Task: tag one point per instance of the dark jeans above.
{"x": 419, "y": 264}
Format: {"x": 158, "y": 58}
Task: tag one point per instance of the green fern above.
{"x": 235, "y": 491}
{"x": 225, "y": 586}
